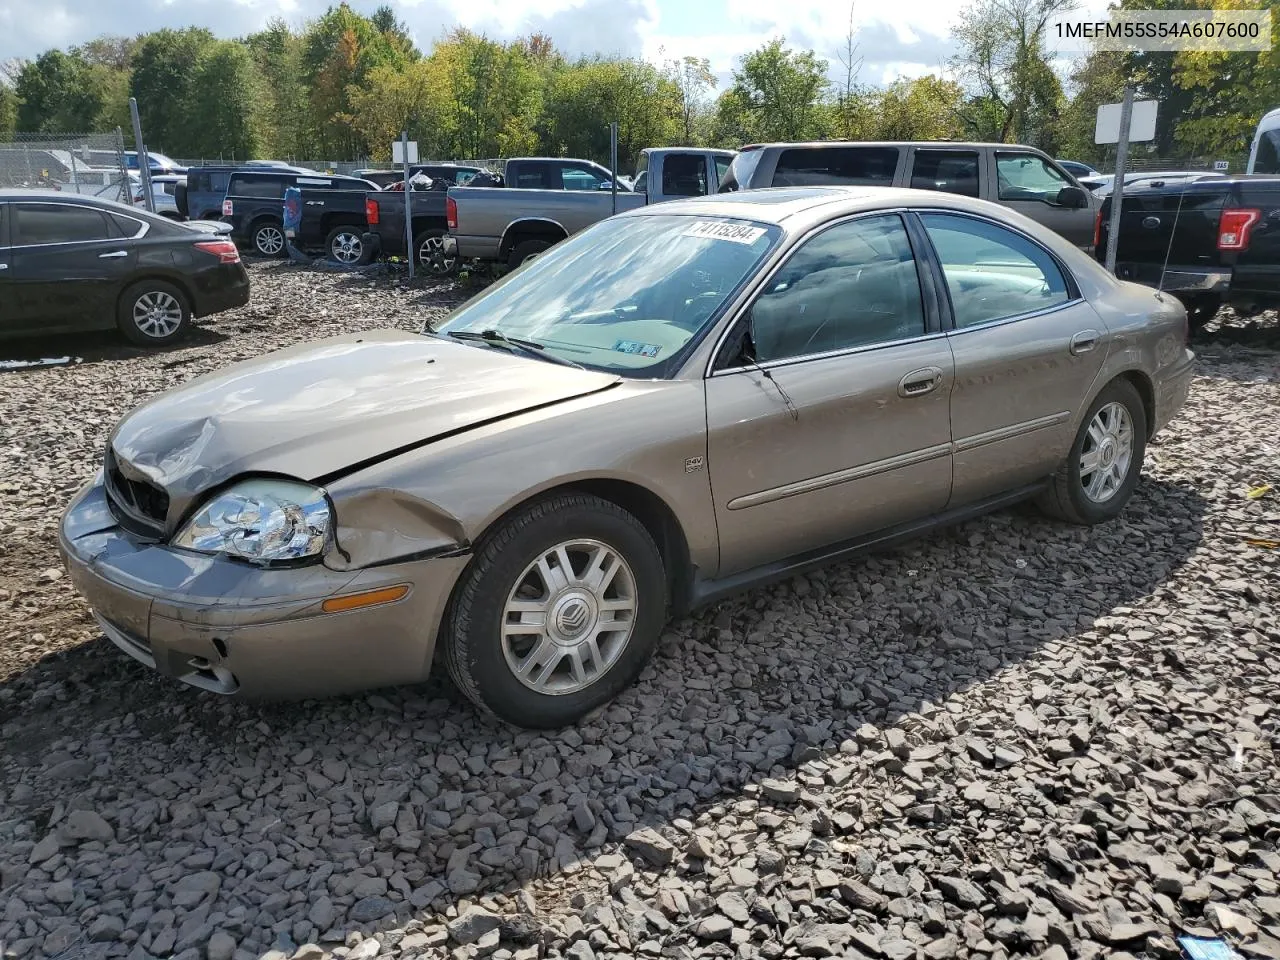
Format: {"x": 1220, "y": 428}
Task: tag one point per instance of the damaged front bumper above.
{"x": 260, "y": 632}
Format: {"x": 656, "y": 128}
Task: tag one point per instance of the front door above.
{"x": 67, "y": 266}
{"x": 1027, "y": 351}
{"x": 1026, "y": 182}
{"x": 827, "y": 411}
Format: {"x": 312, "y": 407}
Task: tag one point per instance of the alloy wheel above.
{"x": 347, "y": 247}
{"x": 569, "y": 617}
{"x": 269, "y": 241}
{"x": 1107, "y": 452}
{"x": 157, "y": 314}
{"x": 432, "y": 256}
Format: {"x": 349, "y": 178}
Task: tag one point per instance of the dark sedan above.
{"x": 71, "y": 262}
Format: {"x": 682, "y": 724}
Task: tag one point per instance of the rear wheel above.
{"x": 559, "y": 610}
{"x": 152, "y": 313}
{"x": 1105, "y": 461}
{"x": 428, "y": 247}
{"x": 345, "y": 245}
{"x": 268, "y": 239}
{"x": 526, "y": 250}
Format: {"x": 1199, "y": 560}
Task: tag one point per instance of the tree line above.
{"x": 343, "y": 87}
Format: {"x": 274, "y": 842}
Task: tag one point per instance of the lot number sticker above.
{"x": 733, "y": 232}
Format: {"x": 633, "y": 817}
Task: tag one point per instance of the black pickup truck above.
{"x": 1208, "y": 242}
{"x": 333, "y": 212}
{"x": 384, "y": 216}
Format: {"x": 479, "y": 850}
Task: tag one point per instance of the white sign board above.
{"x": 1222, "y": 165}
{"x": 1142, "y": 122}
{"x": 397, "y": 151}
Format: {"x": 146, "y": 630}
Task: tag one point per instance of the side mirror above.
{"x": 1074, "y": 197}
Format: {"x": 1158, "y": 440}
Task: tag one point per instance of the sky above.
{"x": 905, "y": 38}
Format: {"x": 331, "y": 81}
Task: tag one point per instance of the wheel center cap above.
{"x": 1108, "y": 452}
{"x": 572, "y": 615}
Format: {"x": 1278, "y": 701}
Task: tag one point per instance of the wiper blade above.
{"x": 530, "y": 348}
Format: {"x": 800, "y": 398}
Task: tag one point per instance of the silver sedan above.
{"x": 675, "y": 404}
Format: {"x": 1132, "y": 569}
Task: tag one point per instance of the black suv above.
{"x": 254, "y": 206}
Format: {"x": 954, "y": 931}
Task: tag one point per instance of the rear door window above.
{"x": 951, "y": 171}
{"x": 814, "y": 166}
{"x": 266, "y": 188}
{"x": 41, "y": 223}
{"x": 535, "y": 176}
{"x": 684, "y": 175}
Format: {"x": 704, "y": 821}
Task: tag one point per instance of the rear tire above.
{"x": 267, "y": 239}
{"x": 152, "y": 313}
{"x": 428, "y": 248}
{"x": 526, "y": 251}
{"x": 583, "y": 634}
{"x": 345, "y": 245}
{"x": 1104, "y": 464}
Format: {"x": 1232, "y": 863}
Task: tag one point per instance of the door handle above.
{"x": 1084, "y": 341}
{"x": 315, "y": 203}
{"x": 4, "y": 266}
{"x": 919, "y": 382}
{"x": 113, "y": 255}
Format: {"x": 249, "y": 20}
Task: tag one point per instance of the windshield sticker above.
{"x": 638, "y": 348}
{"x": 733, "y": 232}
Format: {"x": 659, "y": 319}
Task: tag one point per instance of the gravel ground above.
{"x": 1015, "y": 738}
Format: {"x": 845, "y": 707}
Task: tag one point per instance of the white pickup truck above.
{"x": 544, "y": 200}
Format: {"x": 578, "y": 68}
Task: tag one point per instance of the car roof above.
{"x": 957, "y": 144}
{"x": 771, "y": 204}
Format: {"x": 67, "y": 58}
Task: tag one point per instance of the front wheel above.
{"x": 559, "y": 610}
{"x": 1100, "y": 472}
{"x": 345, "y": 245}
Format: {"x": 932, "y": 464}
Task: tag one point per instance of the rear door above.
{"x": 1027, "y": 350}
{"x": 1030, "y": 184}
{"x": 67, "y": 265}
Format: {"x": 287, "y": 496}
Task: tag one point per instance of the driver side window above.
{"x": 1024, "y": 176}
{"x": 854, "y": 284}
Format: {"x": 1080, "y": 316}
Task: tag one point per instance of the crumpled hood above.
{"x": 319, "y": 408}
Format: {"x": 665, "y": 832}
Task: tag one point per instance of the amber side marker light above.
{"x": 369, "y": 598}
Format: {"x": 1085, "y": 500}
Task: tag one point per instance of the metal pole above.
{"x": 408, "y": 201}
{"x": 613, "y": 162}
{"x": 126, "y": 196}
{"x": 144, "y": 165}
{"x": 75, "y": 179}
{"x": 1117, "y": 185}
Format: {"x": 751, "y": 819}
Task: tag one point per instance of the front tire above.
{"x": 152, "y": 313}
{"x": 268, "y": 239}
{"x": 1104, "y": 464}
{"x": 559, "y": 610}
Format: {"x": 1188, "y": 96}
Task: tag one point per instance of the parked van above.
{"x": 1018, "y": 177}
{"x": 1264, "y": 152}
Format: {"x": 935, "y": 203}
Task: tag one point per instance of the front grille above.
{"x": 139, "y": 505}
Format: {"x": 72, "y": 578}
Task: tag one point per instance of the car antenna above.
{"x": 1168, "y": 250}
{"x": 749, "y": 352}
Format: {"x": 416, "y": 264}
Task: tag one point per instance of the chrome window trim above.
{"x": 750, "y": 295}
{"x": 146, "y": 227}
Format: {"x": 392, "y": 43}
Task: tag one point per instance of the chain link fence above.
{"x": 345, "y": 167}
{"x": 87, "y": 163}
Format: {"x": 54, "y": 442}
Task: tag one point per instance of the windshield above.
{"x": 626, "y": 295}
{"x": 1267, "y": 157}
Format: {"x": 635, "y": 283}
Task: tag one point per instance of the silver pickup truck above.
{"x": 548, "y": 199}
